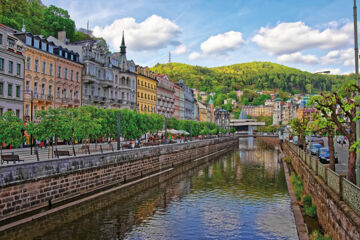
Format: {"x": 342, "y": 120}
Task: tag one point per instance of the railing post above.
{"x": 74, "y": 150}
{"x": 341, "y": 185}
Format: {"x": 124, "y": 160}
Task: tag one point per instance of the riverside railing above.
{"x": 346, "y": 190}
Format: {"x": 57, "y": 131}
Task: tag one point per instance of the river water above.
{"x": 240, "y": 195}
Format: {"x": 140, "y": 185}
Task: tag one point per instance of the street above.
{"x": 342, "y": 152}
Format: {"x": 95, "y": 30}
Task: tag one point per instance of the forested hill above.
{"x": 254, "y": 75}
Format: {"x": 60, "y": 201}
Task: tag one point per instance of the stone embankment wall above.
{"x": 334, "y": 215}
{"x": 31, "y": 186}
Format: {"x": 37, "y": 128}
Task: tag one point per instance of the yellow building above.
{"x": 203, "y": 112}
{"x": 146, "y": 90}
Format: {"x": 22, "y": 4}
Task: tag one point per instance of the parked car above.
{"x": 319, "y": 140}
{"x": 315, "y": 148}
{"x": 324, "y": 156}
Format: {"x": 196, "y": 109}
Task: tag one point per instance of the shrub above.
{"x": 307, "y": 201}
{"x": 316, "y": 235}
{"x": 298, "y": 185}
{"x": 310, "y": 211}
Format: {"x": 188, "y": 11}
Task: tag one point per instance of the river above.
{"x": 240, "y": 195}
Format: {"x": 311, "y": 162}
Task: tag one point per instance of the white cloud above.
{"x": 222, "y": 43}
{"x": 345, "y": 57}
{"x": 195, "y": 56}
{"x": 298, "y": 58}
{"x": 179, "y": 50}
{"x": 292, "y": 37}
{"x": 155, "y": 32}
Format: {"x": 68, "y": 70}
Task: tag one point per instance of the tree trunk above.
{"x": 303, "y": 140}
{"x": 331, "y": 150}
{"x": 351, "y": 164}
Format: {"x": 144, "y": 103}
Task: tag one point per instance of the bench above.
{"x": 10, "y": 158}
{"x": 61, "y": 153}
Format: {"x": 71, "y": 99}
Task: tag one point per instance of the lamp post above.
{"x": 358, "y": 83}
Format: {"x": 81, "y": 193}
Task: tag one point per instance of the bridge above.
{"x": 245, "y": 125}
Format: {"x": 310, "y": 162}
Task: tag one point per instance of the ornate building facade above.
{"x": 11, "y": 73}
{"x": 165, "y": 96}
{"x": 146, "y": 90}
{"x": 222, "y": 118}
{"x": 188, "y": 100}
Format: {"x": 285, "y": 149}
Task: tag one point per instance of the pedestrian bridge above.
{"x": 245, "y": 125}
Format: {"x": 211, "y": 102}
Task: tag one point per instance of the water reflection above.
{"x": 241, "y": 195}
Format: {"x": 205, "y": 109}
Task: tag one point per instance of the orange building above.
{"x": 49, "y": 68}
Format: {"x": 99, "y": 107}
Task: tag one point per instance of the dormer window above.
{"x": 51, "y": 49}
{"x": 72, "y": 57}
{"x": 43, "y": 46}
{"x": 36, "y": 43}
{"x": 66, "y": 55}
{"x": 28, "y": 40}
{"x": 60, "y": 52}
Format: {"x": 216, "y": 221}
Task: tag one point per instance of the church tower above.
{"x": 122, "y": 59}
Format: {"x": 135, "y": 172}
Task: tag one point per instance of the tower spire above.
{"x": 123, "y": 47}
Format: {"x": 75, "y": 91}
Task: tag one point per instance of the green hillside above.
{"x": 253, "y": 75}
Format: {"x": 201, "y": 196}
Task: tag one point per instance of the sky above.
{"x": 312, "y": 35}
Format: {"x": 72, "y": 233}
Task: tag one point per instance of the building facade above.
{"x": 146, "y": 90}
{"x": 11, "y": 73}
{"x": 188, "y": 100}
{"x": 165, "y": 96}
{"x": 203, "y": 112}
{"x": 124, "y": 75}
{"x": 222, "y": 118}
{"x": 284, "y": 111}
{"x": 257, "y": 111}
{"x": 176, "y": 102}
{"x": 196, "y": 116}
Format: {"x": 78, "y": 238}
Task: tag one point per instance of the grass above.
{"x": 316, "y": 235}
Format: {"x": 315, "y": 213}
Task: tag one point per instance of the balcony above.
{"x": 88, "y": 79}
{"x": 106, "y": 83}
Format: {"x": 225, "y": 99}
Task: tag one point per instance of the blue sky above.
{"x": 312, "y": 35}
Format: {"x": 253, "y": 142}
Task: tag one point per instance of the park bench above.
{"x": 10, "y": 158}
{"x": 61, "y": 153}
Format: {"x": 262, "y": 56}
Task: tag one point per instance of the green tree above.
{"x": 11, "y": 128}
{"x": 57, "y": 19}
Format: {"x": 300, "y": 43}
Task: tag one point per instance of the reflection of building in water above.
{"x": 211, "y": 170}
{"x": 268, "y": 158}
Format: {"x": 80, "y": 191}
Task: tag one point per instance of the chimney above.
{"x": 62, "y": 36}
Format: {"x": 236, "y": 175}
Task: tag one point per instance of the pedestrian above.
{"x": 42, "y": 144}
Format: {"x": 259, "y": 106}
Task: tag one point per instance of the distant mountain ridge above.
{"x": 252, "y": 75}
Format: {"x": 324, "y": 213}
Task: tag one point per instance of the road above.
{"x": 343, "y": 156}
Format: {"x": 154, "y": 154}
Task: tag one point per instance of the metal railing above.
{"x": 347, "y": 191}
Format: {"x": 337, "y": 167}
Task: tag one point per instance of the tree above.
{"x": 341, "y": 106}
{"x": 11, "y": 128}
{"x": 323, "y": 124}
{"x": 57, "y": 19}
{"x": 300, "y": 127}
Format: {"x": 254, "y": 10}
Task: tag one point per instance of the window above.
{"x": 28, "y": 63}
{"x": 28, "y": 40}
{"x": 27, "y": 86}
{"x": 58, "y": 93}
{"x": 77, "y": 76}
{"x": 1, "y": 38}
{"x": 35, "y": 87}
{"x": 51, "y": 49}
{"x": 18, "y": 113}
{"x": 50, "y": 90}
{"x": 11, "y": 64}
{"x": 18, "y": 69}
{"x": 59, "y": 71}
{"x": 65, "y": 73}
{"x": 60, "y": 52}
{"x": 64, "y": 93}
{"x": 1, "y": 64}
{"x": 9, "y": 93}
{"x": 36, "y": 65}
{"x": 17, "y": 91}
{"x": 1, "y": 88}
{"x": 71, "y": 92}
{"x": 27, "y": 107}
{"x": 66, "y": 54}
{"x": 43, "y": 46}
{"x": 36, "y": 43}
{"x": 43, "y": 67}
{"x": 71, "y": 75}
{"x": 50, "y": 69}
{"x": 43, "y": 89}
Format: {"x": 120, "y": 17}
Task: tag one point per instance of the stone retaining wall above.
{"x": 334, "y": 215}
{"x": 30, "y": 186}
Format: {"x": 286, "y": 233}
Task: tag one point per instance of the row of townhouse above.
{"x": 38, "y": 73}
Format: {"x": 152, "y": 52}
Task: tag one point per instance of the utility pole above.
{"x": 358, "y": 83}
